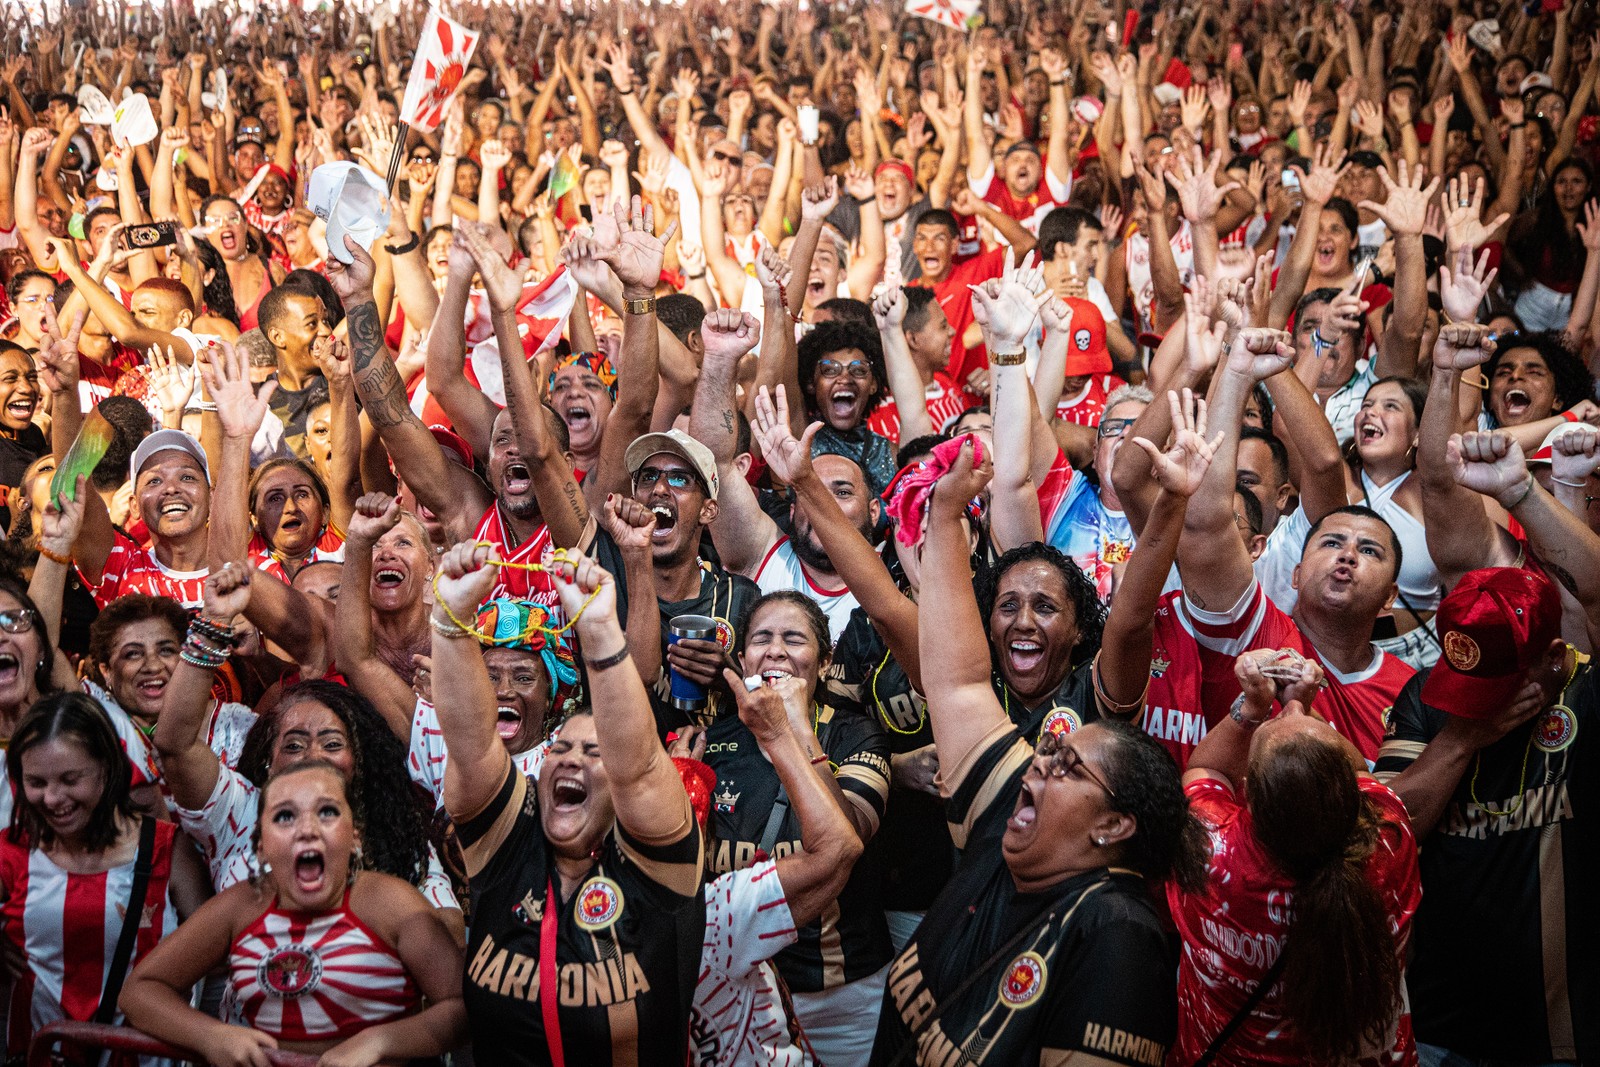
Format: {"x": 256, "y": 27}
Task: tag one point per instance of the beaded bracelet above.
{"x": 211, "y": 631}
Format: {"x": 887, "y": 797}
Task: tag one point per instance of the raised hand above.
{"x": 353, "y": 280}
{"x": 818, "y": 201}
{"x": 375, "y": 515}
{"x": 172, "y": 384}
{"x": 1327, "y": 167}
{"x": 1005, "y": 307}
{"x": 1575, "y": 456}
{"x": 226, "y": 593}
{"x": 729, "y": 333}
{"x": 1405, "y": 211}
{"x": 636, "y": 256}
{"x": 1182, "y": 467}
{"x": 58, "y": 354}
{"x": 1203, "y": 341}
{"x": 964, "y": 481}
{"x": 857, "y": 182}
{"x": 1260, "y": 353}
{"x": 1343, "y": 316}
{"x": 772, "y": 271}
{"x": 1462, "y": 345}
{"x": 1462, "y": 290}
{"x": 36, "y": 142}
{"x": 226, "y": 373}
{"x": 788, "y": 456}
{"x": 1589, "y": 228}
{"x": 1463, "y": 218}
{"x": 333, "y": 357}
{"x": 501, "y": 281}
{"x": 495, "y": 156}
{"x": 588, "y": 596}
{"x": 465, "y": 577}
{"x": 1196, "y": 183}
{"x": 629, "y": 522}
{"x": 1489, "y": 463}
{"x": 62, "y": 518}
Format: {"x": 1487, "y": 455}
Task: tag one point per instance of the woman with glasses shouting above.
{"x": 1044, "y": 946}
{"x": 250, "y": 272}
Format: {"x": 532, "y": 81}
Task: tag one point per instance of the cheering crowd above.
{"x": 981, "y": 534}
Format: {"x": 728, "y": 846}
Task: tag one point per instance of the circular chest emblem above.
{"x": 725, "y": 636}
{"x": 599, "y": 903}
{"x": 1461, "y": 650}
{"x": 1023, "y": 981}
{"x": 1556, "y": 730}
{"x": 291, "y": 971}
{"x": 1060, "y": 721}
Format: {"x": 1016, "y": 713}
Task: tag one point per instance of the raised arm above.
{"x": 979, "y": 158}
{"x": 445, "y": 354}
{"x": 1404, "y": 212}
{"x": 355, "y": 650}
{"x": 742, "y": 532}
{"x": 1327, "y": 168}
{"x": 240, "y": 411}
{"x": 813, "y": 877}
{"x": 905, "y": 383}
{"x": 116, "y": 318}
{"x": 645, "y": 788}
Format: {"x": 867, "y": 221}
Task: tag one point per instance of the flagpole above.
{"x": 395, "y": 156}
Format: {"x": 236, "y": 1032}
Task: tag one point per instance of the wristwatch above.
{"x": 647, "y": 306}
{"x": 1237, "y": 714}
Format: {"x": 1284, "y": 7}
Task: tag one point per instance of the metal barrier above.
{"x": 126, "y": 1039}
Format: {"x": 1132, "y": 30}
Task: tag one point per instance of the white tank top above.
{"x": 1418, "y": 578}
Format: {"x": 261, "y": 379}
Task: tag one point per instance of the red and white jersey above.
{"x": 1085, "y": 408}
{"x": 1355, "y": 703}
{"x": 328, "y": 549}
{"x": 515, "y": 582}
{"x": 738, "y": 1015}
{"x": 428, "y": 756}
{"x": 1233, "y": 930}
{"x": 1175, "y": 709}
{"x": 132, "y": 569}
{"x": 945, "y": 402}
{"x": 223, "y": 827}
{"x": 1029, "y": 210}
{"x": 300, "y": 976}
{"x": 1139, "y": 281}
{"x": 781, "y": 569}
{"x": 68, "y": 925}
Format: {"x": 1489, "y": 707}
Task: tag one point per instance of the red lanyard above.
{"x": 549, "y": 986}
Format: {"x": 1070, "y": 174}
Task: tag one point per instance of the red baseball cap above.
{"x": 1494, "y": 625}
{"x": 1086, "y": 351}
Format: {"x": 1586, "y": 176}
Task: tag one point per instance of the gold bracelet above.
{"x": 647, "y": 306}
{"x": 1008, "y": 359}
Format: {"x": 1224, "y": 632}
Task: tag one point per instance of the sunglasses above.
{"x": 1065, "y": 762}
{"x": 830, "y": 369}
{"x": 1114, "y": 427}
{"x": 649, "y": 476}
{"x": 727, "y": 157}
{"x": 16, "y": 622}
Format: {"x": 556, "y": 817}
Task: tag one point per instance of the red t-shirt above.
{"x": 1086, "y": 408}
{"x": 956, "y": 299}
{"x": 1233, "y": 931}
{"x": 945, "y": 402}
{"x": 132, "y": 569}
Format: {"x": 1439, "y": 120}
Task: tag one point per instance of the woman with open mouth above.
{"x": 843, "y": 377}
{"x": 67, "y": 867}
{"x": 250, "y": 272}
{"x": 322, "y": 956}
{"x": 836, "y": 969}
{"x": 1046, "y": 938}
{"x": 292, "y": 518}
{"x": 586, "y": 882}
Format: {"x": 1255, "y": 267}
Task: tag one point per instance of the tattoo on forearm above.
{"x": 384, "y": 393}
{"x": 727, "y": 421}
{"x": 1562, "y": 575}
{"x": 366, "y": 335}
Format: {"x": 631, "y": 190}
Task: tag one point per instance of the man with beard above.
{"x": 510, "y": 516}
{"x": 747, "y": 539}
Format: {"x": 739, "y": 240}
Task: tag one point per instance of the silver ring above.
{"x": 752, "y": 683}
{"x": 1465, "y": 203}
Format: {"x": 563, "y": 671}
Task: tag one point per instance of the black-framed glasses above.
{"x": 856, "y": 369}
{"x": 19, "y": 621}
{"x": 649, "y": 476}
{"x": 727, "y": 157}
{"x": 1065, "y": 761}
{"x": 1114, "y": 427}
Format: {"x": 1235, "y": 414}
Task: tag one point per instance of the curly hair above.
{"x": 126, "y": 610}
{"x": 1089, "y": 612}
{"x": 831, "y": 338}
{"x": 1170, "y": 842}
{"x": 382, "y": 798}
{"x": 1573, "y": 382}
{"x": 217, "y": 294}
{"x": 82, "y": 719}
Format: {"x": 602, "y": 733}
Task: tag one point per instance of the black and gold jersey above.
{"x": 913, "y": 845}
{"x": 750, "y": 815}
{"x": 1506, "y": 877}
{"x": 724, "y": 596}
{"x": 996, "y": 976}
{"x": 1072, "y": 706}
{"x": 628, "y": 941}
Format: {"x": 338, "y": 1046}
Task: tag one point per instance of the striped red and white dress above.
{"x": 67, "y": 925}
{"x": 511, "y": 581}
{"x": 317, "y": 977}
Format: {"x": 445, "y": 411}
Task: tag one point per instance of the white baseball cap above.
{"x": 167, "y": 441}
{"x": 351, "y": 200}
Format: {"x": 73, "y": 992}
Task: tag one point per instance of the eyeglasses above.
{"x": 16, "y": 622}
{"x": 727, "y": 157}
{"x": 422, "y": 157}
{"x": 830, "y": 369}
{"x": 1114, "y": 427}
{"x": 1065, "y": 760}
{"x": 649, "y": 476}
{"x": 36, "y": 298}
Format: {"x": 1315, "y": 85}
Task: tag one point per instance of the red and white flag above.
{"x": 443, "y": 53}
{"x": 952, "y": 13}
{"x": 541, "y": 320}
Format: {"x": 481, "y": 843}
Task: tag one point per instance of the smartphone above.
{"x": 1290, "y": 180}
{"x": 150, "y": 235}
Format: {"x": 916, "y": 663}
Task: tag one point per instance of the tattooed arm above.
{"x": 445, "y": 488}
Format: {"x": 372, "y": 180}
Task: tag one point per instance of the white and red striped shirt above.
{"x": 945, "y": 402}
{"x": 738, "y": 1014}
{"x": 781, "y": 569}
{"x": 512, "y": 581}
{"x": 68, "y": 925}
{"x": 132, "y": 569}
{"x": 429, "y": 754}
{"x": 328, "y": 549}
